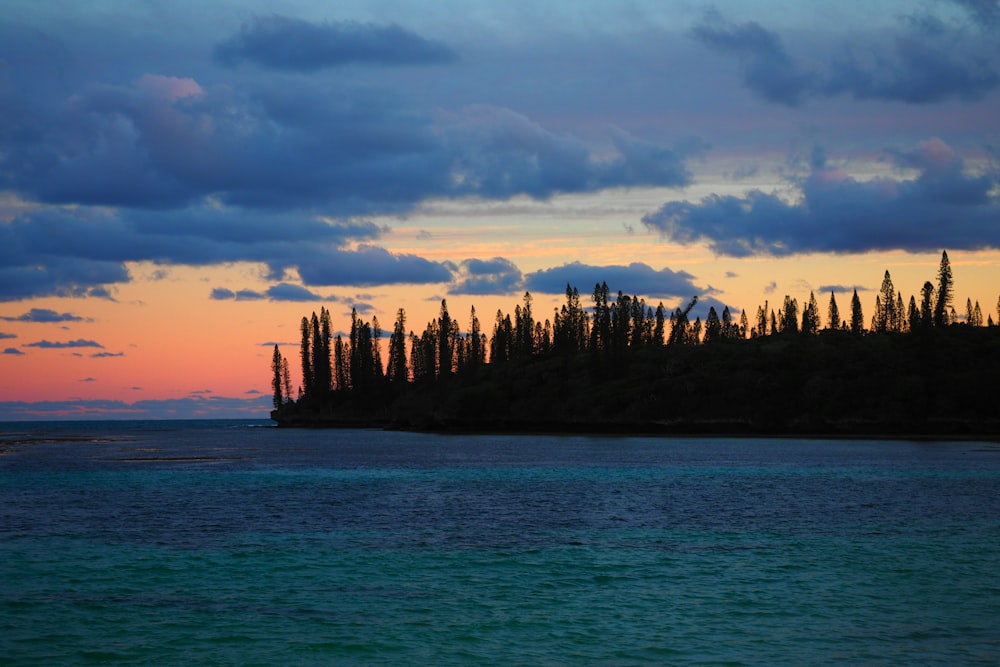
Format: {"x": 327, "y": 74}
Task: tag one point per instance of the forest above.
{"x": 619, "y": 365}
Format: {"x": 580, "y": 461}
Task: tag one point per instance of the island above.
{"x": 623, "y": 366}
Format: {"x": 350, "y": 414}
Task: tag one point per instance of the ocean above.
{"x": 237, "y": 543}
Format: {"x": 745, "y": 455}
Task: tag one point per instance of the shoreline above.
{"x": 942, "y": 431}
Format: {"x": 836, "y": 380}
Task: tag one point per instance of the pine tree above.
{"x": 377, "y": 348}
{"x": 306, "y": 352}
{"x": 477, "y": 351}
{"x": 276, "y": 380}
{"x": 789, "y": 319}
{"x": 944, "y": 291}
{"x": 833, "y": 313}
{"x": 886, "y": 318}
{"x": 857, "y": 318}
{"x": 397, "y": 370}
{"x": 286, "y": 379}
{"x": 810, "y": 316}
{"x": 913, "y": 315}
{"x": 927, "y": 305}
{"x": 445, "y": 347}
{"x": 713, "y": 327}
{"x": 661, "y": 318}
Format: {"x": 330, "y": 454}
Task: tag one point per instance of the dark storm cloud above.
{"x": 486, "y": 276}
{"x": 286, "y": 43}
{"x": 945, "y": 206}
{"x": 43, "y": 315}
{"x": 166, "y": 143}
{"x": 636, "y": 278}
{"x": 55, "y": 345}
{"x": 928, "y": 62}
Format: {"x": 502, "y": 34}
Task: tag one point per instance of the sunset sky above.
{"x": 180, "y": 182}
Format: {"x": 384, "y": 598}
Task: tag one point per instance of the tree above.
{"x": 833, "y": 313}
{"x": 477, "y": 351}
{"x": 397, "y": 371}
{"x": 857, "y": 318}
{"x": 445, "y": 347}
{"x": 927, "y": 305}
{"x": 661, "y": 317}
{"x": 306, "y": 351}
{"x": 789, "y": 319}
{"x": 887, "y": 317}
{"x": 600, "y": 335}
{"x": 276, "y": 380}
{"x": 810, "y": 316}
{"x": 913, "y": 315}
{"x": 713, "y": 326}
{"x": 680, "y": 328}
{"x": 944, "y": 291}
{"x": 973, "y": 314}
{"x": 286, "y": 379}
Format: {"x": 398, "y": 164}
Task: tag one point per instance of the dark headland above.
{"x": 932, "y": 383}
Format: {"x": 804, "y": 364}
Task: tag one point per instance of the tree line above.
{"x": 352, "y": 366}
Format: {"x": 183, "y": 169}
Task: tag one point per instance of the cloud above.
{"x": 489, "y": 276}
{"x": 945, "y": 206}
{"x": 44, "y": 315}
{"x": 52, "y": 345}
{"x": 370, "y": 265}
{"x": 289, "y": 292}
{"x": 915, "y": 66}
{"x": 636, "y": 279}
{"x": 841, "y": 289}
{"x": 13, "y": 351}
{"x": 768, "y": 69}
{"x": 499, "y": 154}
{"x": 35, "y": 260}
{"x": 986, "y": 13}
{"x": 4, "y": 335}
{"x": 105, "y": 355}
{"x": 87, "y": 379}
{"x": 223, "y": 294}
{"x": 287, "y": 43}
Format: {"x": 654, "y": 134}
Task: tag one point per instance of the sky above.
{"x": 181, "y": 182}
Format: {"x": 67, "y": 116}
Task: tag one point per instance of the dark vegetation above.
{"x": 623, "y": 366}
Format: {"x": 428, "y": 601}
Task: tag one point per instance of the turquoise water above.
{"x": 226, "y": 543}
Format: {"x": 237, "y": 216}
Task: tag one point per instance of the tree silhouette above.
{"x": 857, "y": 318}
{"x": 833, "y": 313}
{"x": 713, "y": 326}
{"x": 886, "y": 317}
{"x": 306, "y": 352}
{"x": 944, "y": 291}
{"x": 276, "y": 380}
{"x": 397, "y": 370}
{"x": 810, "y": 316}
{"x": 927, "y": 305}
